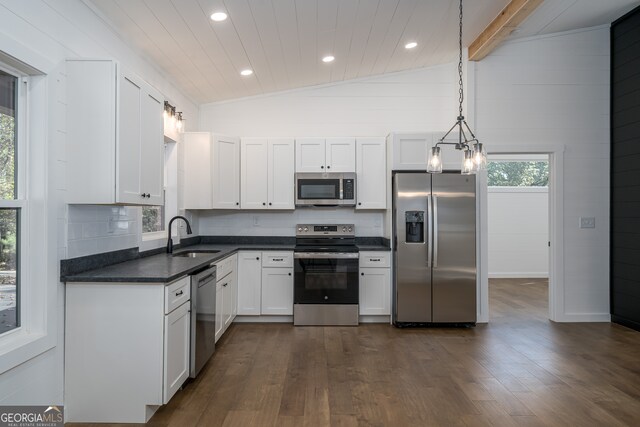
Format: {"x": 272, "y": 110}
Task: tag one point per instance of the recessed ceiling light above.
{"x": 218, "y": 16}
{"x": 410, "y": 45}
{"x": 246, "y": 72}
{"x": 328, "y": 58}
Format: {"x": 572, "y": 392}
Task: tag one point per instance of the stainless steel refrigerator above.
{"x": 434, "y": 226}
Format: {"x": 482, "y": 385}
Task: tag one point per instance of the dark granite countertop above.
{"x": 164, "y": 268}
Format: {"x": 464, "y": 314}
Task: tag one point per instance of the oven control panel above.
{"x": 325, "y": 230}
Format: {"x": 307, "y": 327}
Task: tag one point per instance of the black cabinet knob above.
{"x": 237, "y": 203}
{"x": 149, "y": 195}
{"x": 264, "y": 204}
{"x": 362, "y": 274}
{"x": 257, "y": 258}
{"x": 270, "y": 203}
{"x": 359, "y": 203}
{"x": 289, "y": 274}
{"x": 321, "y": 167}
{"x": 328, "y": 167}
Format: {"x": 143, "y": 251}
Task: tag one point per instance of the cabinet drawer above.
{"x": 277, "y": 259}
{"x": 225, "y": 266}
{"x": 176, "y": 293}
{"x": 375, "y": 259}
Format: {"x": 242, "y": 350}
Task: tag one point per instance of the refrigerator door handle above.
{"x": 435, "y": 231}
{"x": 429, "y": 232}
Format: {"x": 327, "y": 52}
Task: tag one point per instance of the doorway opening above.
{"x": 518, "y": 215}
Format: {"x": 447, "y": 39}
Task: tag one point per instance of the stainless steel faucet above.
{"x": 169, "y": 240}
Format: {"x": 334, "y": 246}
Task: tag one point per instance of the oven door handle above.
{"x": 325, "y": 255}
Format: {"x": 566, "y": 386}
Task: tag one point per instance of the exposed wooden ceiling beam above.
{"x": 503, "y": 24}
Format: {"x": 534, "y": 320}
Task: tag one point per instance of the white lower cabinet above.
{"x": 265, "y": 283}
{"x": 277, "y": 291}
{"x": 126, "y": 349}
{"x": 249, "y": 283}
{"x": 375, "y": 283}
{"x": 177, "y": 334}
{"x": 226, "y": 293}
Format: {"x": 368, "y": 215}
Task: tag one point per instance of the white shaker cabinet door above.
{"x": 197, "y": 187}
{"x": 371, "y": 173}
{"x": 277, "y": 291}
{"x": 226, "y": 172}
{"x": 249, "y": 283}
{"x": 281, "y": 174}
{"x": 341, "y": 154}
{"x": 129, "y": 132}
{"x": 152, "y": 150}
{"x": 375, "y": 291}
{"x": 177, "y": 333}
{"x": 253, "y": 171}
{"x": 219, "y": 311}
{"x": 310, "y": 155}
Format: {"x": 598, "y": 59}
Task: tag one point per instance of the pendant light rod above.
{"x": 467, "y": 141}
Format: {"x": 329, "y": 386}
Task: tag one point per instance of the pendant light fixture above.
{"x": 474, "y": 155}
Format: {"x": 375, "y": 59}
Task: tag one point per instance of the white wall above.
{"x": 553, "y": 91}
{"x": 48, "y": 32}
{"x": 412, "y": 101}
{"x": 518, "y": 231}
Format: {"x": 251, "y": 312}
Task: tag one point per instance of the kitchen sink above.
{"x": 195, "y": 254}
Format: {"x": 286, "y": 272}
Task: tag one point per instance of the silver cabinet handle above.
{"x": 435, "y": 231}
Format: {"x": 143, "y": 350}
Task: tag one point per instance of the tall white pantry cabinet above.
{"x": 115, "y": 136}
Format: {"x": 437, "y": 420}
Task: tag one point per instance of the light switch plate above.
{"x": 587, "y": 222}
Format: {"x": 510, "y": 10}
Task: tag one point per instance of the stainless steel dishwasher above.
{"x": 203, "y": 318}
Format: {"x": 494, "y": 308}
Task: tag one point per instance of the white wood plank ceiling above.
{"x": 284, "y": 41}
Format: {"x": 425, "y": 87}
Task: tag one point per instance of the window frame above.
{"x": 157, "y": 239}
{"x": 518, "y": 159}
{"x": 38, "y": 207}
{"x": 20, "y": 203}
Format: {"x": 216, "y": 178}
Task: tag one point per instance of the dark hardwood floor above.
{"x": 519, "y": 370}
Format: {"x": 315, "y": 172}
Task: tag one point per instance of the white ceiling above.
{"x": 283, "y": 41}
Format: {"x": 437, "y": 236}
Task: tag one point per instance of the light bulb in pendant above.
{"x": 467, "y": 163}
{"x": 434, "y": 162}
{"x": 179, "y": 123}
{"x": 479, "y": 157}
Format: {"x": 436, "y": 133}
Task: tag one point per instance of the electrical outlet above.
{"x": 587, "y": 222}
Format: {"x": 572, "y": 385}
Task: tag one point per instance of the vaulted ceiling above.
{"x": 284, "y": 41}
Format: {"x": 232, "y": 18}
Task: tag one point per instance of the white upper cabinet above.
{"x": 281, "y": 174}
{"x": 114, "y": 136}
{"x": 226, "y": 172}
{"x": 325, "y": 155}
{"x": 253, "y": 173}
{"x": 310, "y": 155}
{"x": 409, "y": 151}
{"x": 267, "y": 173}
{"x": 197, "y": 184}
{"x": 371, "y": 173}
{"x": 341, "y": 155}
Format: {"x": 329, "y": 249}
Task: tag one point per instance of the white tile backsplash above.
{"x": 97, "y": 229}
{"x": 230, "y": 223}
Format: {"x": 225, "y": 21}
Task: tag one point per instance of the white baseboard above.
{"x": 375, "y": 319}
{"x": 584, "y": 317}
{"x": 537, "y": 275}
{"x": 263, "y": 319}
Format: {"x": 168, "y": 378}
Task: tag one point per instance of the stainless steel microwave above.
{"x": 325, "y": 189}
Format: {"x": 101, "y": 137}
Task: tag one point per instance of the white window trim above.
{"x": 158, "y": 239}
{"x": 37, "y": 331}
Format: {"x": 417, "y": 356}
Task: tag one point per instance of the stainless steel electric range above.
{"x": 325, "y": 275}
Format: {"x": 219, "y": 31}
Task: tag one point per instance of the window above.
{"x": 153, "y": 219}
{"x": 10, "y": 204}
{"x": 512, "y": 171}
